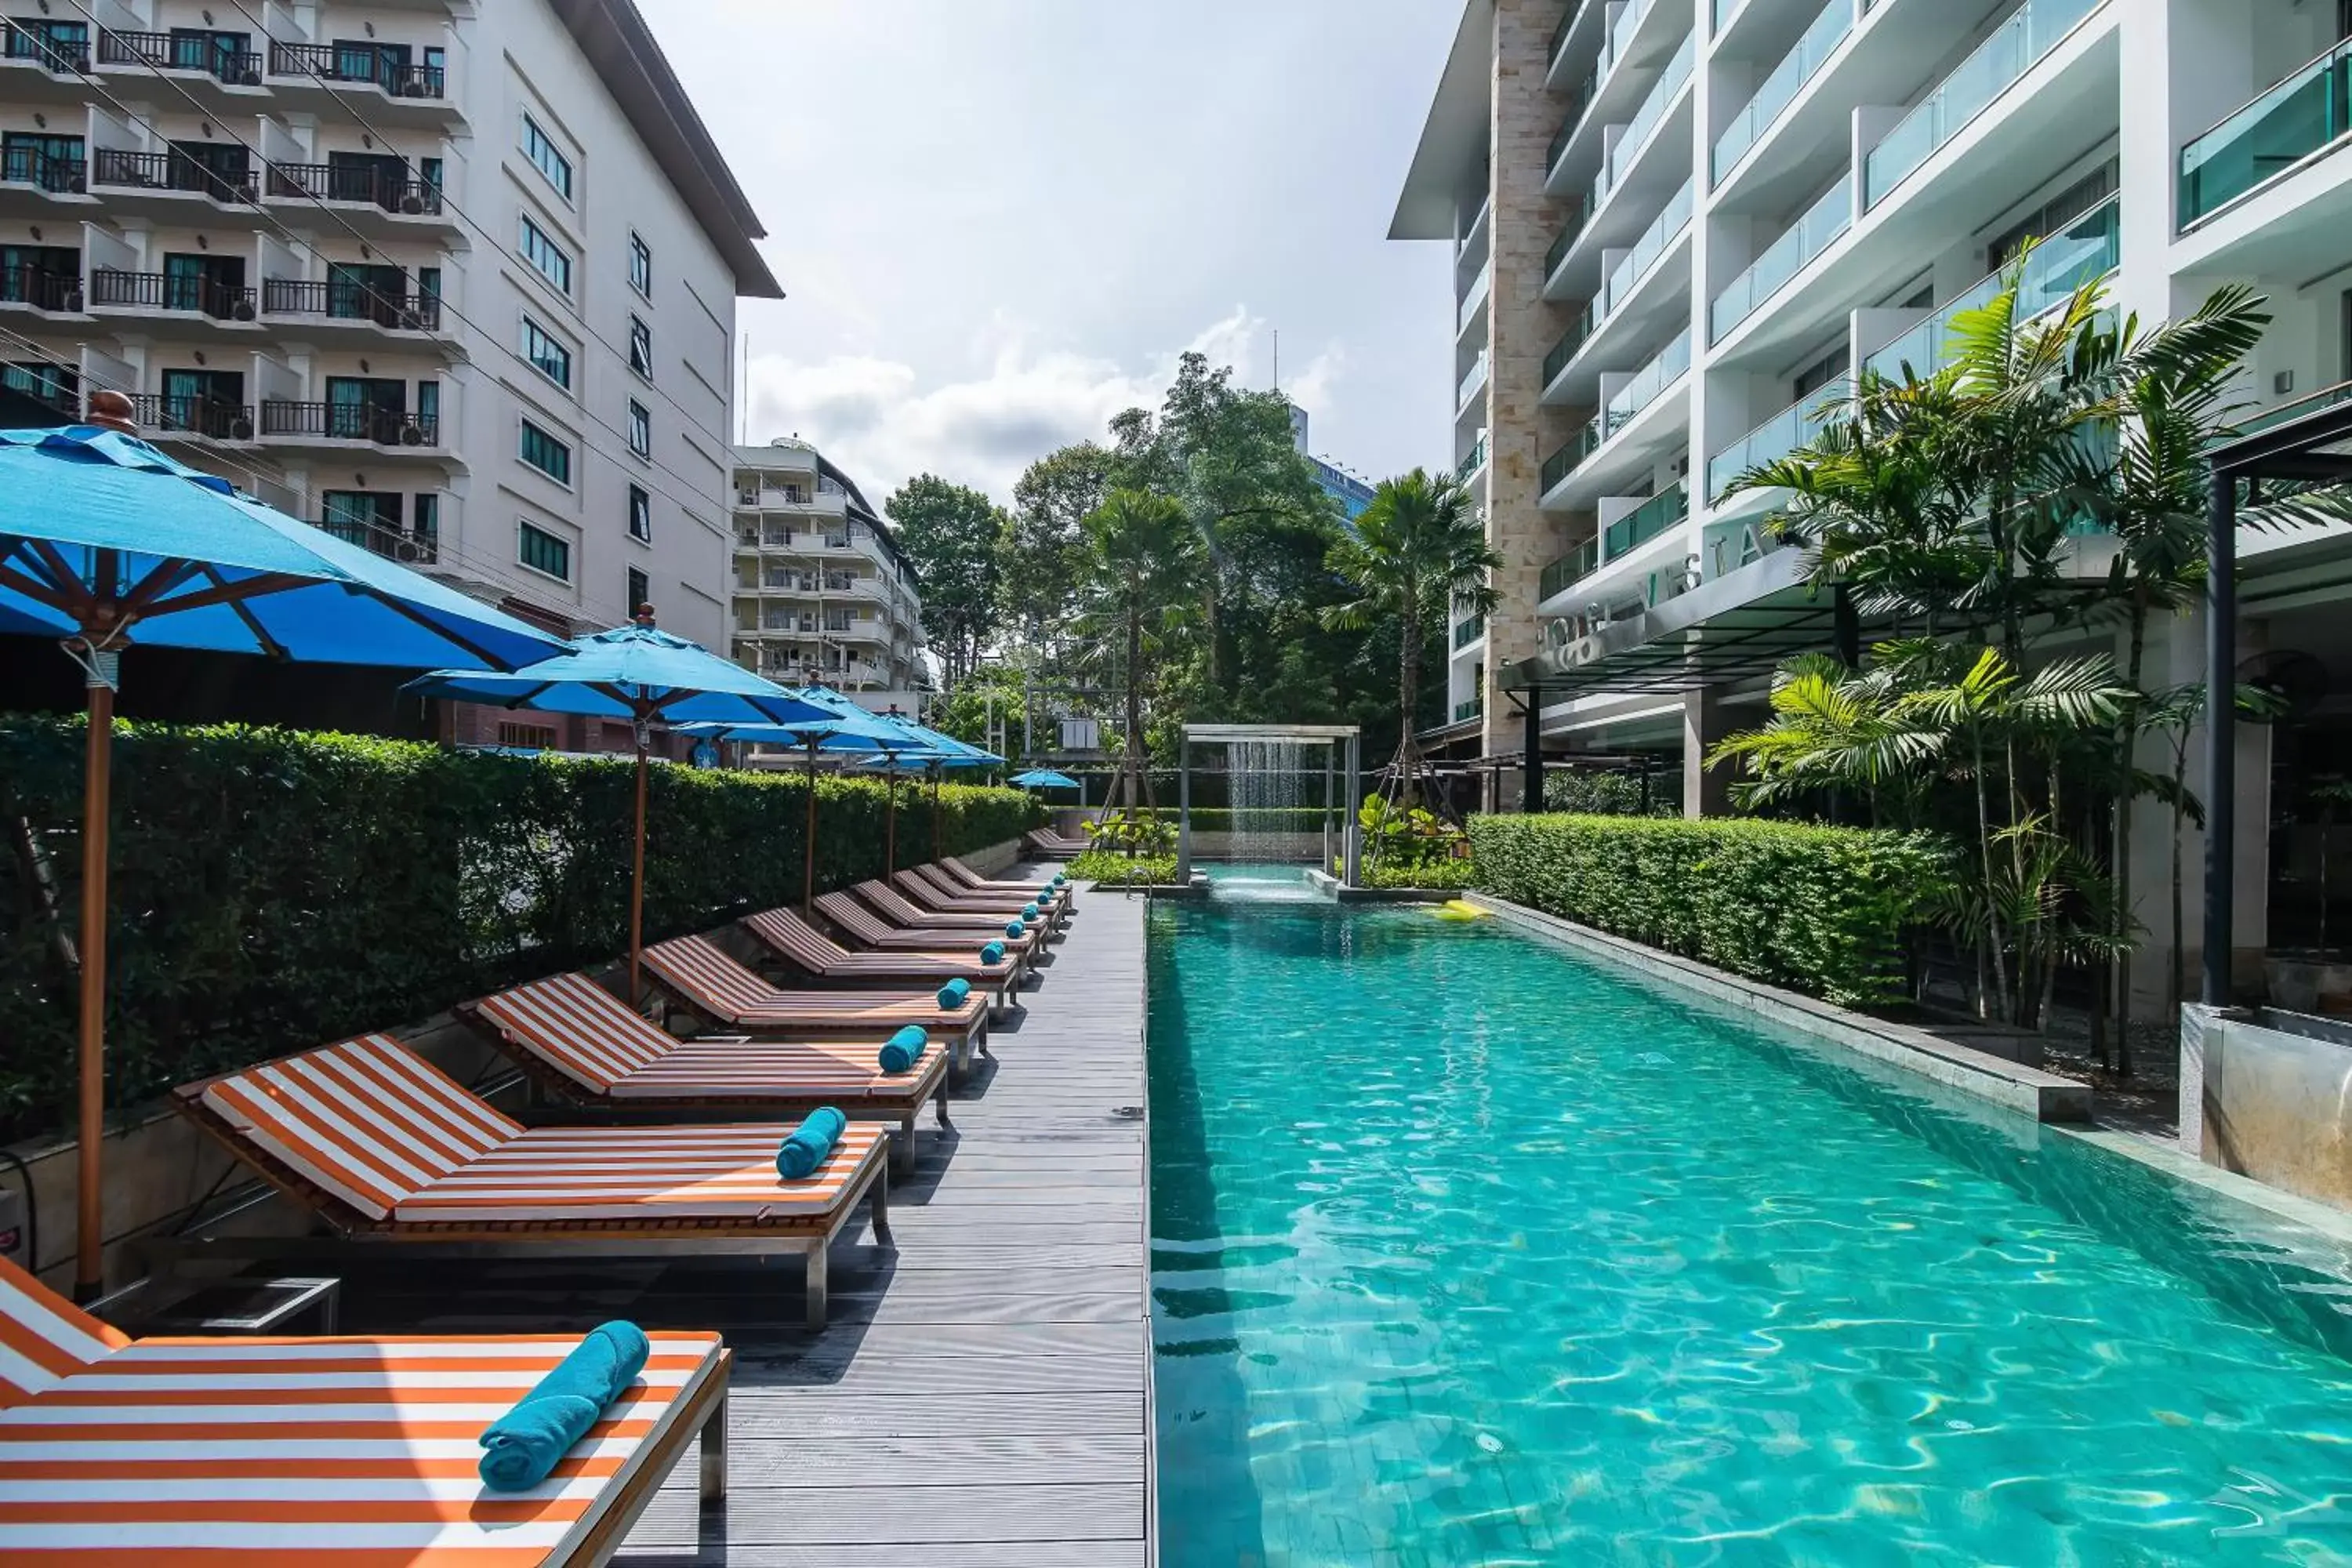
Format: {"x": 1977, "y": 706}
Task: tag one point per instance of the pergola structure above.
{"x": 2314, "y": 445}
{"x": 1333, "y": 738}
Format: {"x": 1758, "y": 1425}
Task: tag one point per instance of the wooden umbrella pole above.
{"x": 637, "y": 884}
{"x": 808, "y": 843}
{"x": 90, "y": 1255}
{"x": 890, "y": 835}
{"x": 936, "y": 772}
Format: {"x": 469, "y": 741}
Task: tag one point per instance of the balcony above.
{"x": 1569, "y": 342}
{"x": 1573, "y": 567}
{"x": 2300, "y": 118}
{"x": 1469, "y": 466}
{"x": 350, "y": 422}
{"x": 1636, "y": 136}
{"x": 42, "y": 288}
{"x": 1778, "y": 436}
{"x": 1635, "y": 265}
{"x": 162, "y": 51}
{"x": 32, "y": 166}
{"x": 1579, "y": 216}
{"x": 331, "y": 63}
{"x": 1780, "y": 88}
{"x": 422, "y": 548}
{"x": 394, "y": 193}
{"x": 348, "y": 301}
{"x": 52, "y": 51}
{"x": 1570, "y": 455}
{"x": 1649, "y": 384}
{"x": 2088, "y": 248}
{"x": 212, "y": 418}
{"x": 1468, "y": 632}
{"x": 1472, "y": 383}
{"x": 1645, "y": 522}
{"x": 1468, "y": 709}
{"x": 1973, "y": 86}
{"x": 1620, "y": 38}
{"x": 230, "y": 183}
{"x": 110, "y": 288}
{"x": 1475, "y": 299}
{"x": 1822, "y": 224}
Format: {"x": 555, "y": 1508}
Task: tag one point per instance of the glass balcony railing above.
{"x": 2284, "y": 413}
{"x": 1644, "y": 124}
{"x": 1777, "y": 437}
{"x": 1470, "y": 229}
{"x": 1577, "y": 219}
{"x": 2300, "y": 115}
{"x": 1572, "y": 452}
{"x": 1787, "y": 79}
{"x": 2089, "y": 248}
{"x": 1474, "y": 461}
{"x": 1580, "y": 102}
{"x": 1782, "y": 259}
{"x": 2012, "y": 50}
{"x": 1573, "y": 567}
{"x": 1479, "y": 288}
{"x": 1467, "y": 710}
{"x": 1469, "y": 631}
{"x": 1569, "y": 342}
{"x": 1645, "y": 522}
{"x": 1648, "y": 385}
{"x": 1472, "y": 383}
{"x": 1636, "y": 263}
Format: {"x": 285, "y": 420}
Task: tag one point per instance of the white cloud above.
{"x": 879, "y": 422}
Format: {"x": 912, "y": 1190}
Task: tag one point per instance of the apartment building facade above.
{"x": 1680, "y": 227}
{"x": 822, "y": 592}
{"x": 455, "y": 282}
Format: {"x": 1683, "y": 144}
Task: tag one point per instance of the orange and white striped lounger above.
{"x": 809, "y": 949}
{"x": 386, "y": 1148}
{"x": 714, "y": 987}
{"x": 274, "y": 1453}
{"x": 933, "y": 890}
{"x": 866, "y": 928}
{"x": 582, "y": 1042}
{"x": 950, "y": 924}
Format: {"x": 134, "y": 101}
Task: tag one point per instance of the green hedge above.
{"x": 1248, "y": 819}
{"x": 1817, "y": 910}
{"x": 1113, "y": 868}
{"x": 274, "y": 888}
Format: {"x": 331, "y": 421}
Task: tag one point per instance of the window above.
{"x": 641, "y": 515}
{"x": 554, "y": 263}
{"x": 641, "y": 430}
{"x": 526, "y": 737}
{"x": 641, "y": 266}
{"x": 540, "y": 148}
{"x": 545, "y": 453}
{"x": 641, "y": 348}
{"x": 552, "y": 359}
{"x": 641, "y": 590}
{"x": 544, "y": 551}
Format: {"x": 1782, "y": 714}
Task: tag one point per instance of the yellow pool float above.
{"x": 1459, "y": 910}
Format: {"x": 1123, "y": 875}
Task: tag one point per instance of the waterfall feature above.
{"x": 1283, "y": 807}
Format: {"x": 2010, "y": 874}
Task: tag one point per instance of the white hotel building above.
{"x": 453, "y": 277}
{"x": 1677, "y": 224}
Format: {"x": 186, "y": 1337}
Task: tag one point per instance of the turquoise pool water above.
{"x": 1467, "y": 1251}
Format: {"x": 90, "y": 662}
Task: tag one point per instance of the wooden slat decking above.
{"x": 980, "y": 1401}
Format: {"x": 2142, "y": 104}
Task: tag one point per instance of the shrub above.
{"x": 1428, "y": 874}
{"x": 1817, "y": 910}
{"x": 273, "y": 889}
{"x": 1114, "y": 869}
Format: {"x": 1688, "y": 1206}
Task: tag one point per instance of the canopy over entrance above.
{"x": 1341, "y": 742}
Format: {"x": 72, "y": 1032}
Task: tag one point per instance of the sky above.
{"x": 999, "y": 222}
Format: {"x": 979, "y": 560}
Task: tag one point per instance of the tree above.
{"x": 950, "y": 532}
{"x": 1043, "y": 546}
{"x": 1142, "y": 558}
{"x": 1418, "y": 548}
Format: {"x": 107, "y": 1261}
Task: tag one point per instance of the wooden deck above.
{"x": 981, "y": 1401}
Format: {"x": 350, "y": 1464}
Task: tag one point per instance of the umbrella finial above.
{"x": 112, "y": 411}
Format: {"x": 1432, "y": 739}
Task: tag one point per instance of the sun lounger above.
{"x": 1054, "y": 846}
{"x": 269, "y": 1453}
{"x": 386, "y": 1148}
{"x": 962, "y": 876}
{"x": 866, "y": 928}
{"x": 817, "y": 955}
{"x": 907, "y": 915}
{"x": 693, "y": 972}
{"x": 585, "y": 1044}
{"x": 931, "y": 888}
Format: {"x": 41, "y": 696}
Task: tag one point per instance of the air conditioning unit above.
{"x": 242, "y": 310}
{"x": 747, "y": 498}
{"x": 411, "y": 88}
{"x": 248, "y": 77}
{"x": 240, "y": 429}
{"x": 412, "y": 434}
{"x": 249, "y": 193}
{"x": 412, "y": 203}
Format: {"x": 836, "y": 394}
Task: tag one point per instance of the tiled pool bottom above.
{"x": 1467, "y": 1251}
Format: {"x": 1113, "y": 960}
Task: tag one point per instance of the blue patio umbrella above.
{"x": 937, "y": 752}
{"x": 106, "y": 542}
{"x": 852, "y": 727}
{"x": 641, "y": 674}
{"x": 1045, "y": 778}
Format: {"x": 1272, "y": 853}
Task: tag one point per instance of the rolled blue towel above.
{"x": 1029, "y": 911}
{"x": 904, "y": 1049}
{"x": 954, "y": 993}
{"x": 522, "y": 1448}
{"x": 993, "y": 954}
{"x": 1016, "y": 928}
{"x": 807, "y": 1145}
{"x": 1059, "y": 879}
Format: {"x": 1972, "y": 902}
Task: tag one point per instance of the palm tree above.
{"x": 1419, "y": 547}
{"x": 1137, "y": 584}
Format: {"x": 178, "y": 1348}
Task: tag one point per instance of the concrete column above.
{"x": 1705, "y": 792}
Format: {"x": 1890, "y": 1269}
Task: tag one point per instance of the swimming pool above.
{"x": 1470, "y": 1251}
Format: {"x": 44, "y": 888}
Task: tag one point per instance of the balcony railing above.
{"x": 1469, "y": 631}
{"x": 1580, "y": 104}
{"x": 2271, "y": 418}
{"x": 1573, "y": 567}
{"x": 1467, "y": 710}
{"x": 1780, "y": 88}
{"x": 20, "y": 42}
{"x": 394, "y": 193}
{"x": 32, "y": 166}
{"x": 1480, "y": 287}
{"x": 1645, "y": 522}
{"x": 1569, "y": 342}
{"x": 1648, "y": 385}
{"x": 1778, "y": 436}
{"x": 1644, "y": 124}
{"x": 2089, "y": 248}
{"x": 2307, "y": 113}
{"x": 1619, "y": 36}
{"x": 328, "y": 63}
{"x": 1486, "y": 211}
{"x": 162, "y": 51}
{"x": 1579, "y": 215}
{"x": 42, "y": 287}
{"x": 350, "y": 422}
{"x": 1635, "y": 264}
{"x": 215, "y": 419}
{"x": 1991, "y": 70}
{"x": 1559, "y": 34}
{"x": 421, "y": 547}
{"x": 1782, "y": 259}
{"x": 1474, "y": 461}
{"x": 173, "y": 171}
{"x": 347, "y": 301}
{"x": 164, "y": 291}
{"x": 1571, "y": 452}
{"x": 1473, "y": 382}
